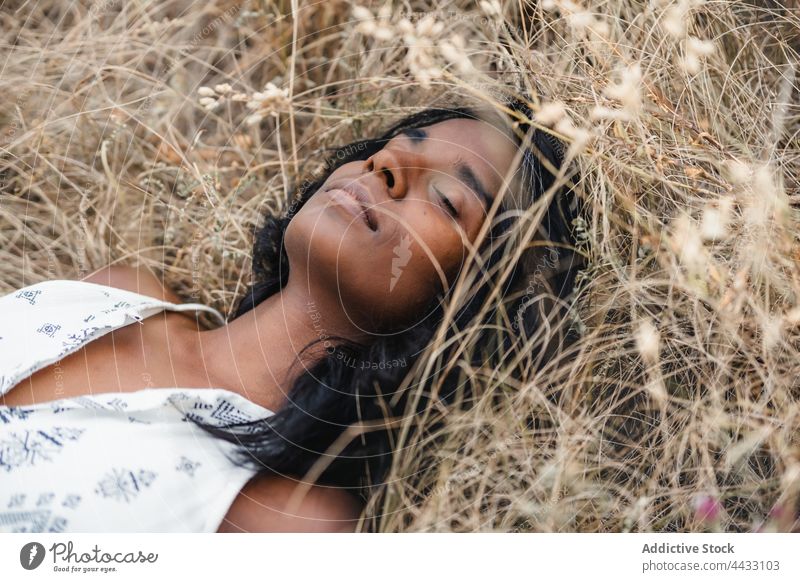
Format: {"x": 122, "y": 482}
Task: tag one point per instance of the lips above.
{"x": 354, "y": 199}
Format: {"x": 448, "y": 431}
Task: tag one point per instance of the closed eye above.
{"x": 450, "y": 208}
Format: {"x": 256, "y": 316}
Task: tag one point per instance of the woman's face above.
{"x": 384, "y": 235}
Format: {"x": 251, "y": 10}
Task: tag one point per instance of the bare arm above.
{"x": 260, "y": 507}
{"x": 135, "y": 279}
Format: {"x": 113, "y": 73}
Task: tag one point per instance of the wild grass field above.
{"x": 159, "y": 133}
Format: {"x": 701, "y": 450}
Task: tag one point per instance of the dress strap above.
{"x": 146, "y": 301}
{"x": 193, "y": 307}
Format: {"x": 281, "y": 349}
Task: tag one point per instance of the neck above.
{"x": 259, "y": 354}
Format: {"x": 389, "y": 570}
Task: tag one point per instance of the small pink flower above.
{"x": 706, "y": 508}
{"x": 777, "y": 511}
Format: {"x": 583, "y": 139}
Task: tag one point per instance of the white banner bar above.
{"x": 389, "y": 557}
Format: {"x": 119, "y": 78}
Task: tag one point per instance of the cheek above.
{"x": 319, "y": 237}
{"x": 439, "y": 270}
{"x": 419, "y": 275}
{"x": 376, "y": 283}
{"x": 394, "y": 283}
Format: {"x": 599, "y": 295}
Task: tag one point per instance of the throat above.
{"x": 261, "y": 353}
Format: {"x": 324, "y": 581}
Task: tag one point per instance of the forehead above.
{"x": 488, "y": 148}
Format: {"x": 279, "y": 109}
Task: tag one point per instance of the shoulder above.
{"x": 135, "y": 279}
{"x": 263, "y": 506}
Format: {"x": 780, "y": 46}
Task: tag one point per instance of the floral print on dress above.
{"x": 27, "y": 448}
{"x": 124, "y": 484}
{"x": 220, "y": 413}
{"x": 71, "y": 501}
{"x": 117, "y": 403}
{"x": 106, "y": 461}
{"x": 116, "y": 307}
{"x": 187, "y": 466}
{"x": 20, "y": 515}
{"x": 9, "y": 413}
{"x": 36, "y": 521}
{"x": 89, "y": 403}
{"x": 49, "y": 329}
{"x": 28, "y": 295}
{"x": 77, "y": 339}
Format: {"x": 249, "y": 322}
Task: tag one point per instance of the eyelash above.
{"x": 450, "y": 208}
{"x": 417, "y": 135}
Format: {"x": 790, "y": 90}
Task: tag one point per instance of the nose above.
{"x": 393, "y": 167}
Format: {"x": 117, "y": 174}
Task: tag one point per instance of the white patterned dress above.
{"x": 107, "y": 462}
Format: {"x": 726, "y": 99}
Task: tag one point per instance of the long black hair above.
{"x": 339, "y": 390}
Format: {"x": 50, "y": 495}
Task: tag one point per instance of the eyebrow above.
{"x": 415, "y": 134}
{"x": 465, "y": 173}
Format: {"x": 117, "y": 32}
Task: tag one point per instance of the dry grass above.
{"x": 680, "y": 408}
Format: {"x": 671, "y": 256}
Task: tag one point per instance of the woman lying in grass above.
{"x": 407, "y": 243}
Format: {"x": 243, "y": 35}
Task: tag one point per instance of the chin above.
{"x": 309, "y": 238}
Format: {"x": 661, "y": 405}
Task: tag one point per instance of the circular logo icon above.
{"x": 31, "y": 555}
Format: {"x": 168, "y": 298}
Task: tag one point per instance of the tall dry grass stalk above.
{"x": 159, "y": 133}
